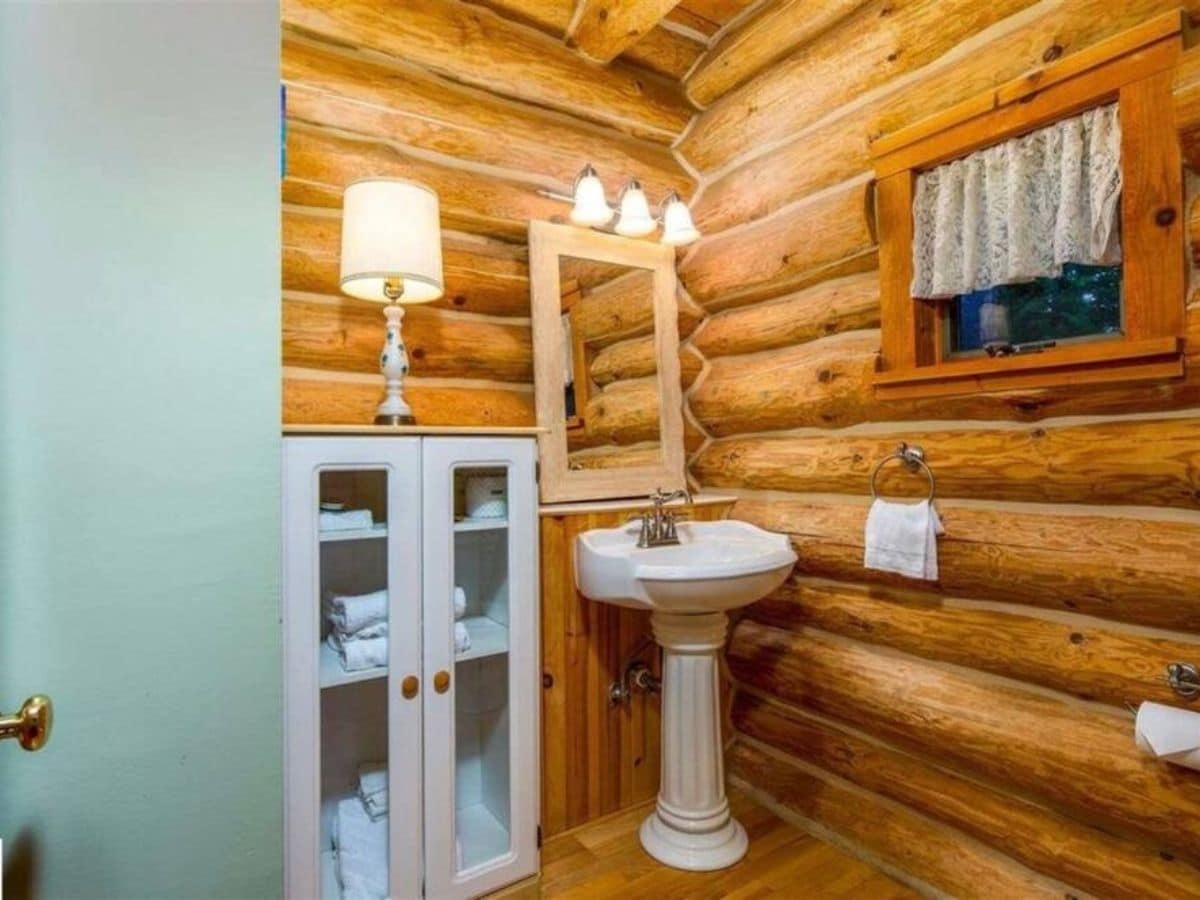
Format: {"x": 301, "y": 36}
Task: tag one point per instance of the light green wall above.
{"x": 139, "y": 447}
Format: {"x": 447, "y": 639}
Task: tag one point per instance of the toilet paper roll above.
{"x": 460, "y": 602}
{"x": 1169, "y": 734}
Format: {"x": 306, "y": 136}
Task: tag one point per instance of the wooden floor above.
{"x": 604, "y": 860}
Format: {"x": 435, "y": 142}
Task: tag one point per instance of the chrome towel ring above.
{"x": 913, "y": 458}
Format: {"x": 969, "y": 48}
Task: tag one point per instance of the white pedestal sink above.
{"x": 716, "y": 566}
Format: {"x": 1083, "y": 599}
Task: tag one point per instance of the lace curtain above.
{"x": 1020, "y": 210}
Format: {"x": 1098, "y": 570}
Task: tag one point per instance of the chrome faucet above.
{"x": 658, "y": 524}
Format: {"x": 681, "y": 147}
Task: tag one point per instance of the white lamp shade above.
{"x": 677, "y": 224}
{"x": 391, "y": 230}
{"x": 591, "y": 206}
{"x": 635, "y": 219}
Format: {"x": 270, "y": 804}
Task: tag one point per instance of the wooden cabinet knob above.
{"x": 441, "y": 681}
{"x": 410, "y": 686}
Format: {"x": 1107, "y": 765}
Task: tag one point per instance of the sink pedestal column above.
{"x": 691, "y": 827}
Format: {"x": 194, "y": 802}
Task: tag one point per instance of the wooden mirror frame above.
{"x": 549, "y": 242}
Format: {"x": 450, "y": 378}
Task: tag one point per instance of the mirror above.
{"x": 606, "y": 364}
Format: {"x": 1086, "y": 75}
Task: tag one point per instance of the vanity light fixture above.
{"x": 391, "y": 253}
{"x": 591, "y": 209}
{"x": 634, "y": 219}
{"x": 591, "y": 206}
{"x": 678, "y": 228}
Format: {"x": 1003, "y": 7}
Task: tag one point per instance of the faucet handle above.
{"x": 644, "y": 516}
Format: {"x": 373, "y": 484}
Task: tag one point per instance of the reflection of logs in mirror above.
{"x": 603, "y": 366}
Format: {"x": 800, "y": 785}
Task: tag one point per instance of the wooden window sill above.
{"x": 1090, "y": 363}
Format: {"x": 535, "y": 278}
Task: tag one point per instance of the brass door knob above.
{"x": 409, "y": 686}
{"x": 441, "y": 681}
{"x": 31, "y": 725}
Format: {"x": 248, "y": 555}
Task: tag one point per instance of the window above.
{"x": 1031, "y": 237}
{"x": 1082, "y": 304}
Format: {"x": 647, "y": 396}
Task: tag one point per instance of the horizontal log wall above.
{"x": 969, "y": 732}
{"x": 488, "y": 111}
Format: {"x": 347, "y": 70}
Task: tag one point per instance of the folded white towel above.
{"x": 346, "y": 520}
{"x": 351, "y": 614}
{"x": 361, "y": 852}
{"x": 460, "y": 602}
{"x": 356, "y": 654}
{"x": 379, "y": 629}
{"x": 372, "y": 778}
{"x": 373, "y": 788}
{"x": 902, "y": 538}
{"x": 462, "y": 638}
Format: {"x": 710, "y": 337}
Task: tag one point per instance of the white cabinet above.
{"x": 382, "y": 689}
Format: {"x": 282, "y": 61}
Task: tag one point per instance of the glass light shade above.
{"x": 635, "y": 219}
{"x": 391, "y": 231}
{"x": 591, "y": 206}
{"x": 677, "y": 223}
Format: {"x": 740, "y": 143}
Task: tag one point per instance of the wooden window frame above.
{"x": 1135, "y": 69}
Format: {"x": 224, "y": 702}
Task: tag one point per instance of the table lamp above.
{"x": 391, "y": 253}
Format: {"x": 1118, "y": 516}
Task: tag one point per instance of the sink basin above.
{"x": 715, "y": 566}
{"x": 687, "y": 587}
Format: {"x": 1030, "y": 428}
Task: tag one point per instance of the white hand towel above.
{"x": 356, "y": 655}
{"x": 347, "y": 520}
{"x": 460, "y": 602}
{"x": 902, "y": 538}
{"x": 353, "y": 613}
{"x": 362, "y": 851}
{"x": 1169, "y": 733}
{"x": 462, "y": 638}
{"x": 373, "y": 788}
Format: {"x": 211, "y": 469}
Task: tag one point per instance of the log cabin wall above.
{"x": 487, "y": 104}
{"x": 968, "y": 735}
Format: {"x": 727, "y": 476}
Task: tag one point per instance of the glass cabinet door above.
{"x": 353, "y": 635}
{"x": 480, "y": 655}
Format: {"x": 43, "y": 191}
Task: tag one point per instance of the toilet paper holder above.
{"x": 1184, "y": 679}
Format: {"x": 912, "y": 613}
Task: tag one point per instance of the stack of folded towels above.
{"x": 462, "y": 637}
{"x": 359, "y": 629}
{"x": 360, "y": 837}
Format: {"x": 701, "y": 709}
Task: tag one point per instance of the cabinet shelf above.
{"x": 379, "y": 530}
{"x": 488, "y": 638}
{"x": 333, "y": 675}
{"x": 480, "y": 524}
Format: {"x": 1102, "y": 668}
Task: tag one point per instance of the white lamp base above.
{"x": 393, "y": 362}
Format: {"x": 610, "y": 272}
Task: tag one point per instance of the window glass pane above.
{"x": 482, "y": 801}
{"x": 353, "y": 613}
{"x": 1085, "y": 302}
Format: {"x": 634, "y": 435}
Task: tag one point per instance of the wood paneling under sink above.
{"x": 596, "y": 758}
